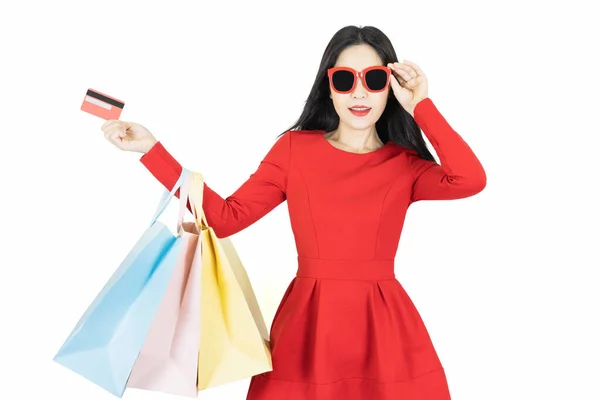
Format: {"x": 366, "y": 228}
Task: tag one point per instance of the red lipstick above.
{"x": 360, "y": 110}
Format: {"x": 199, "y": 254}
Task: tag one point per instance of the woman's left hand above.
{"x": 409, "y": 84}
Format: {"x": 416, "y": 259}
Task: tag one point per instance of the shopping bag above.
{"x": 168, "y": 361}
{"x": 107, "y": 339}
{"x": 234, "y": 341}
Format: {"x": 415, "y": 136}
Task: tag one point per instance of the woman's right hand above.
{"x": 128, "y": 136}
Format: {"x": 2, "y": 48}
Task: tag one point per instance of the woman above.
{"x": 349, "y": 168}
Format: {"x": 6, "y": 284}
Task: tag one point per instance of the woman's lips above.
{"x": 360, "y": 111}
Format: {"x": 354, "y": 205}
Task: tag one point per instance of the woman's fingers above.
{"x": 412, "y": 73}
{"x": 114, "y": 136}
{"x": 414, "y": 66}
{"x": 404, "y": 75}
{"x": 110, "y": 124}
{"x": 126, "y": 135}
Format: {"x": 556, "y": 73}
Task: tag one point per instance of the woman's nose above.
{"x": 359, "y": 91}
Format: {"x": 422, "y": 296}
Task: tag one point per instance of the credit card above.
{"x": 102, "y": 105}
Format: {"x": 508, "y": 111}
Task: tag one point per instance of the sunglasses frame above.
{"x": 359, "y": 75}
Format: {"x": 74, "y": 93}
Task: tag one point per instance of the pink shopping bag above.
{"x": 168, "y": 361}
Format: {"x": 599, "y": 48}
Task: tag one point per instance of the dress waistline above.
{"x": 345, "y": 269}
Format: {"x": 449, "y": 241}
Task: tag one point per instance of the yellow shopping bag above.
{"x": 234, "y": 341}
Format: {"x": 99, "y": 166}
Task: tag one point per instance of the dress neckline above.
{"x": 322, "y": 134}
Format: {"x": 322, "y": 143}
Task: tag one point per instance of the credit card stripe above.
{"x": 106, "y": 99}
{"x": 98, "y": 102}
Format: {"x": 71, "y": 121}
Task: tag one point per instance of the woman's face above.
{"x": 359, "y": 57}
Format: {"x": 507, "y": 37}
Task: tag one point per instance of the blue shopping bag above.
{"x": 108, "y": 338}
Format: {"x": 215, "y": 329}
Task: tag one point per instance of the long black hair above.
{"x": 395, "y": 123}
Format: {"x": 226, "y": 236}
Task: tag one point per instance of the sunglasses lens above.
{"x": 376, "y": 79}
{"x": 342, "y": 81}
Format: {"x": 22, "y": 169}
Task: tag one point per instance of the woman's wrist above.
{"x": 149, "y": 146}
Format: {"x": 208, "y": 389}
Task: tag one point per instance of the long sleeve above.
{"x": 460, "y": 174}
{"x": 259, "y": 194}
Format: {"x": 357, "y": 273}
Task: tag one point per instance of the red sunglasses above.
{"x": 343, "y": 79}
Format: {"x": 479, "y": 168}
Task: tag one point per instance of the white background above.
{"x": 505, "y": 281}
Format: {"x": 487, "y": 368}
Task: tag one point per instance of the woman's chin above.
{"x": 359, "y": 124}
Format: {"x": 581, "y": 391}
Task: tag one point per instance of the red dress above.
{"x": 345, "y": 328}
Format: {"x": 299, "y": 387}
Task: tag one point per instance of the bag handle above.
{"x": 196, "y": 192}
{"x": 169, "y": 194}
{"x": 183, "y": 200}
